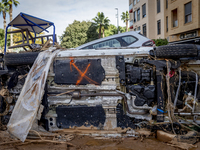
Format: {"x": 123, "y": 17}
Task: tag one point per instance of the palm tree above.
{"x": 102, "y": 22}
{"x": 125, "y": 18}
{"x": 10, "y": 4}
{"x": 4, "y": 9}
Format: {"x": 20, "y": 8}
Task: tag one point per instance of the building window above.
{"x": 131, "y": 8}
{"x": 175, "y": 18}
{"x": 134, "y": 2}
{"x": 143, "y": 10}
{"x": 167, "y": 24}
{"x": 158, "y": 27}
{"x": 131, "y": 24}
{"x": 144, "y": 29}
{"x": 138, "y": 28}
{"x": 135, "y": 16}
{"x": 138, "y": 1}
{"x": 138, "y": 14}
{"x": 135, "y": 29}
{"x": 158, "y": 6}
{"x": 166, "y": 4}
{"x": 188, "y": 12}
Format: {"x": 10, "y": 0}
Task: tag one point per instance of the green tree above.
{"x": 78, "y": 33}
{"x": 160, "y": 42}
{"x": 112, "y": 29}
{"x": 122, "y": 29}
{"x": 125, "y": 18}
{"x": 10, "y": 3}
{"x": 2, "y": 39}
{"x": 4, "y": 9}
{"x": 101, "y": 22}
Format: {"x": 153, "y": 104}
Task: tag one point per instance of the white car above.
{"x": 126, "y": 39}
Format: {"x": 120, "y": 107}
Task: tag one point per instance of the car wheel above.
{"x": 1, "y": 104}
{"x": 176, "y": 51}
{"x": 17, "y": 59}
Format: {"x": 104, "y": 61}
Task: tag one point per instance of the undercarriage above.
{"x": 112, "y": 90}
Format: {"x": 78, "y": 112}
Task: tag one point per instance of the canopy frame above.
{"x": 32, "y": 24}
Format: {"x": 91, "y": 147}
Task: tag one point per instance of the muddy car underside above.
{"x": 113, "y": 89}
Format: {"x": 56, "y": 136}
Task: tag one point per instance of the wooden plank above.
{"x": 16, "y": 31}
{"x": 20, "y": 45}
{"x": 41, "y": 37}
{"x": 22, "y": 37}
{"x": 32, "y": 39}
{"x": 42, "y": 40}
{"x": 27, "y": 39}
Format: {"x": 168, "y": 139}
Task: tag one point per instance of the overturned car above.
{"x": 106, "y": 89}
{"x": 103, "y": 89}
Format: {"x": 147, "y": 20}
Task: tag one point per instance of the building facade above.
{"x": 175, "y": 20}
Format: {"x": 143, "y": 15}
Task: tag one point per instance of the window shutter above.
{"x": 143, "y": 10}
{"x": 188, "y": 8}
{"x": 158, "y": 6}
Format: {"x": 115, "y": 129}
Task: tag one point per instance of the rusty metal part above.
{"x": 115, "y": 94}
{"x": 76, "y": 94}
{"x": 145, "y": 106}
{"x": 187, "y": 114}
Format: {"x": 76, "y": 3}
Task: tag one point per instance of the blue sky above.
{"x": 64, "y": 12}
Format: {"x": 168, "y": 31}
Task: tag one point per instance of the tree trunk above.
{"x": 126, "y": 26}
{"x": 11, "y": 35}
{"x": 103, "y": 33}
{"x": 4, "y": 22}
{"x": 100, "y": 32}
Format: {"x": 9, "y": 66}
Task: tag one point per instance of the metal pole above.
{"x": 6, "y": 39}
{"x": 54, "y": 28}
{"x": 117, "y": 21}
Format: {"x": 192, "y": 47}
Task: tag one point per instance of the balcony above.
{"x": 131, "y": 24}
{"x": 175, "y": 23}
{"x": 131, "y": 8}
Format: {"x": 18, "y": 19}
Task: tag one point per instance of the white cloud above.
{"x": 64, "y": 12}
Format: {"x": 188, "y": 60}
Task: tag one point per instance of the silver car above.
{"x": 126, "y": 39}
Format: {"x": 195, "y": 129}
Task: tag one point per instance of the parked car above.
{"x": 126, "y": 39}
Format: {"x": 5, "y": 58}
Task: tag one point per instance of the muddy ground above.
{"x": 80, "y": 142}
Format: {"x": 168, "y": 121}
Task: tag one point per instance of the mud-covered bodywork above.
{"x": 113, "y": 88}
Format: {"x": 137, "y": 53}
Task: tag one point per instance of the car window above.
{"x": 129, "y": 39}
{"x": 108, "y": 43}
{"x": 86, "y": 47}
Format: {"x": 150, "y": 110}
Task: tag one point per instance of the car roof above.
{"x": 133, "y": 33}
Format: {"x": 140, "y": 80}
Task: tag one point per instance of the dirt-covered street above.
{"x": 81, "y": 142}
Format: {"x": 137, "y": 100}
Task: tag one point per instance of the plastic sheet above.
{"x": 29, "y": 100}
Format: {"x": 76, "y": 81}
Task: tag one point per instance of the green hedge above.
{"x": 160, "y": 42}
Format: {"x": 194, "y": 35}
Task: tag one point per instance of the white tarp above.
{"x": 29, "y": 100}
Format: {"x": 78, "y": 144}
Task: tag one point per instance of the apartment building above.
{"x": 176, "y": 20}
{"x": 147, "y": 16}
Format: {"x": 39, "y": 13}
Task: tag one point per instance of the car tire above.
{"x": 17, "y": 59}
{"x": 1, "y": 104}
{"x": 177, "y": 51}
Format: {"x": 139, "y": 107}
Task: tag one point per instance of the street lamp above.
{"x": 117, "y": 20}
